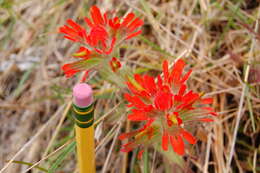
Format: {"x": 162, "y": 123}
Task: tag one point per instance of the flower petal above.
{"x": 76, "y": 26}
{"x": 135, "y": 24}
{"x": 149, "y": 85}
{"x": 128, "y": 135}
{"x": 207, "y": 108}
{"x": 138, "y": 103}
{"x": 213, "y": 113}
{"x": 111, "y": 46}
{"x": 191, "y": 139}
{"x": 88, "y": 22}
{"x": 207, "y": 100}
{"x": 177, "y": 71}
{"x": 69, "y": 71}
{"x": 165, "y": 71}
{"x": 138, "y": 115}
{"x": 128, "y": 19}
{"x": 73, "y": 68}
{"x": 163, "y": 101}
{"x": 206, "y": 120}
{"x": 128, "y": 147}
{"x": 96, "y": 15}
{"x": 177, "y": 144}
{"x": 133, "y": 34}
{"x": 70, "y": 38}
{"x": 186, "y": 76}
{"x": 182, "y": 90}
{"x": 165, "y": 140}
{"x": 140, "y": 154}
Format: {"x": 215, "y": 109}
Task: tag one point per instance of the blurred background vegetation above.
{"x": 219, "y": 39}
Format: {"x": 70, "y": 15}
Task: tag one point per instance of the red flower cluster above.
{"x": 167, "y": 108}
{"x": 100, "y": 37}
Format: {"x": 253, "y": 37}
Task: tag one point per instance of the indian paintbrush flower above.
{"x": 167, "y": 109}
{"x": 115, "y": 64}
{"x": 99, "y": 39}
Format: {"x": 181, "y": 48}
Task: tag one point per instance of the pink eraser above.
{"x": 83, "y": 95}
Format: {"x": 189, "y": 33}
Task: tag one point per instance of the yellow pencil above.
{"x": 83, "y": 111}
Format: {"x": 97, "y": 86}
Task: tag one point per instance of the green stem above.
{"x": 146, "y": 161}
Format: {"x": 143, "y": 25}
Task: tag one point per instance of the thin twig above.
{"x": 241, "y": 102}
{"x": 125, "y": 156}
{"x": 153, "y": 163}
{"x": 205, "y": 169}
{"x": 111, "y": 148}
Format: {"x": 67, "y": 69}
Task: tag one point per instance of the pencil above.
{"x": 83, "y": 111}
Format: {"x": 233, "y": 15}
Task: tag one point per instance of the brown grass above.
{"x": 218, "y": 39}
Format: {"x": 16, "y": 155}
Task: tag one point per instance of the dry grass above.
{"x": 218, "y": 39}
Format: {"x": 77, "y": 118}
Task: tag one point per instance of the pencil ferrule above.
{"x": 83, "y": 117}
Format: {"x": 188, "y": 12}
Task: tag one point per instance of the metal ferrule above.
{"x": 83, "y": 117}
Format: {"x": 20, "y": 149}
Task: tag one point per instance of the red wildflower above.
{"x": 101, "y": 35}
{"x": 170, "y": 107}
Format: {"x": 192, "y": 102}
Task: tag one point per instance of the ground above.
{"x": 218, "y": 39}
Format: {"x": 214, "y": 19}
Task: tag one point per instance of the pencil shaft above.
{"x": 85, "y": 149}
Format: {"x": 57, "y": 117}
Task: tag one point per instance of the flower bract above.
{"x": 99, "y": 38}
{"x": 166, "y": 108}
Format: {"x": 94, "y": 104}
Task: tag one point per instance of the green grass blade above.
{"x": 146, "y": 161}
{"x": 250, "y": 108}
{"x": 30, "y": 164}
{"x": 154, "y": 46}
{"x": 235, "y": 9}
{"x": 25, "y": 77}
{"x": 62, "y": 157}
